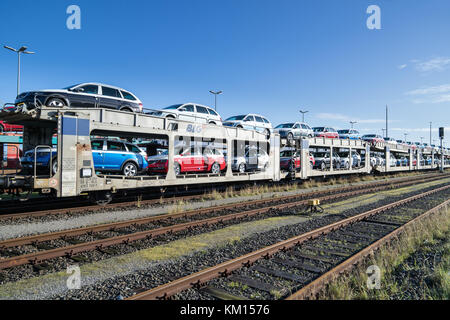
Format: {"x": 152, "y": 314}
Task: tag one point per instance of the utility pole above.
{"x": 430, "y": 132}
{"x": 441, "y": 136}
{"x": 19, "y": 51}
{"x": 352, "y": 123}
{"x": 405, "y": 136}
{"x": 215, "y": 93}
{"x": 387, "y": 133}
{"x": 303, "y": 115}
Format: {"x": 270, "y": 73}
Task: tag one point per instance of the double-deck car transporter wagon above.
{"x": 76, "y": 175}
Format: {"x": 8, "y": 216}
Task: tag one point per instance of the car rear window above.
{"x": 128, "y": 96}
{"x": 110, "y": 92}
{"x": 265, "y": 120}
{"x": 202, "y": 109}
{"x": 115, "y": 146}
{"x": 97, "y": 145}
{"x": 133, "y": 148}
{"x": 249, "y": 118}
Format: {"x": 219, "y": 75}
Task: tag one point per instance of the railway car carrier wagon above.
{"x": 76, "y": 174}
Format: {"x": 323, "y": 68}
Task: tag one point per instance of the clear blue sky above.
{"x": 269, "y": 57}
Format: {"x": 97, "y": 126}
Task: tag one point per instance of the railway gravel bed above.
{"x": 151, "y": 275}
{"x": 19, "y": 227}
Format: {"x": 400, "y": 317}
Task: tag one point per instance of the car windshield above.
{"x": 369, "y": 136}
{"x": 284, "y": 126}
{"x": 318, "y": 129}
{"x": 343, "y": 131}
{"x": 69, "y": 87}
{"x": 175, "y": 106}
{"x": 235, "y": 118}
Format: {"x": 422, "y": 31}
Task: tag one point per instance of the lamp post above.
{"x": 303, "y": 114}
{"x": 405, "y": 136}
{"x": 215, "y": 93}
{"x": 18, "y": 51}
{"x": 430, "y": 132}
{"x": 352, "y": 123}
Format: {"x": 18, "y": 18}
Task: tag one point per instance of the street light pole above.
{"x": 215, "y": 93}
{"x": 430, "y": 132}
{"x": 405, "y": 136}
{"x": 352, "y": 123}
{"x": 387, "y": 133}
{"x": 303, "y": 115}
{"x": 18, "y": 51}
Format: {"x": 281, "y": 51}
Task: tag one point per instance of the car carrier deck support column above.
{"x": 387, "y": 156}
{"x": 229, "y": 171}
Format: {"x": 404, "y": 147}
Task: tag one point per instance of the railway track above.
{"x": 72, "y": 206}
{"x": 297, "y": 268}
{"x": 127, "y": 232}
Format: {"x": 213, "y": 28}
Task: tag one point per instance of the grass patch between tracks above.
{"x": 416, "y": 265}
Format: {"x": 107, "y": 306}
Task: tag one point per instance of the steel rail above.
{"x": 197, "y": 279}
{"x": 315, "y": 286}
{"x": 121, "y": 224}
{"x": 40, "y": 256}
{"x": 128, "y": 204}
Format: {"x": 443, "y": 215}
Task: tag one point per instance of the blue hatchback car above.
{"x": 351, "y": 134}
{"x": 109, "y": 156}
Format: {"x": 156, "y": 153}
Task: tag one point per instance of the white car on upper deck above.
{"x": 193, "y": 112}
{"x": 250, "y": 121}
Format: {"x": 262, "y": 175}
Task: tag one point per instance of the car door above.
{"x": 97, "y": 154}
{"x": 187, "y": 113}
{"x": 115, "y": 155}
{"x": 84, "y": 96}
{"x": 259, "y": 124}
{"x": 249, "y": 122}
{"x": 110, "y": 98}
{"x": 202, "y": 114}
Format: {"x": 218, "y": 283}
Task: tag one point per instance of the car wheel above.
{"x": 240, "y": 127}
{"x": 347, "y": 165}
{"x": 241, "y": 168}
{"x": 54, "y": 166}
{"x": 129, "y": 169}
{"x": 176, "y": 168}
{"x": 338, "y": 165}
{"x": 126, "y": 110}
{"x": 310, "y": 136}
{"x": 215, "y": 168}
{"x": 323, "y": 166}
{"x": 212, "y": 122}
{"x": 2, "y": 128}
{"x": 56, "y": 103}
{"x": 267, "y": 134}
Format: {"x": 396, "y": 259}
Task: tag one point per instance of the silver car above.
{"x": 250, "y": 122}
{"x": 190, "y": 112}
{"x": 254, "y": 159}
{"x": 294, "y": 130}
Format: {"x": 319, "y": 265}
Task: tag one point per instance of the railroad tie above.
{"x": 297, "y": 264}
{"x": 221, "y": 294}
{"x": 256, "y": 284}
{"x": 279, "y": 274}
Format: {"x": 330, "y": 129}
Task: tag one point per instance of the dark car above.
{"x": 84, "y": 95}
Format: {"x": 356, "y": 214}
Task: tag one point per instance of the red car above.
{"x": 6, "y": 127}
{"x": 325, "y": 132}
{"x": 286, "y": 157}
{"x": 189, "y": 159}
{"x": 372, "y": 138}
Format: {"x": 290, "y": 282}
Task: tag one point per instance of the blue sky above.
{"x": 269, "y": 57}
